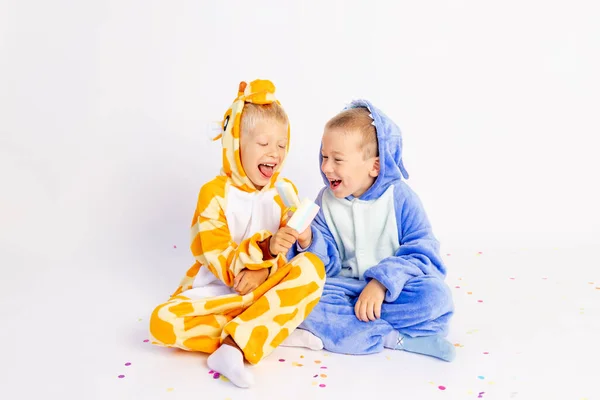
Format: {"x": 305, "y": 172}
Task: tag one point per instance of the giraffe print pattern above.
{"x": 262, "y": 319}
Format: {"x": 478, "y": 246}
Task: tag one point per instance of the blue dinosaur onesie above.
{"x": 384, "y": 235}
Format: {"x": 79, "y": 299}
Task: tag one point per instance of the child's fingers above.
{"x": 377, "y": 309}
{"x": 237, "y": 279}
{"x": 369, "y": 310}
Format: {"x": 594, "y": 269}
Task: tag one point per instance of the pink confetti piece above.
{"x": 480, "y": 301}
{"x": 480, "y": 396}
{"x": 281, "y": 360}
{"x": 322, "y": 385}
{"x": 315, "y": 375}
{"x": 127, "y": 364}
{"x": 448, "y": 254}
{"x": 457, "y": 287}
{"x": 121, "y": 376}
{"x": 174, "y": 246}
{"x": 485, "y": 352}
{"x": 512, "y": 278}
{"x": 146, "y": 341}
{"x": 216, "y": 375}
{"x": 442, "y": 387}
{"x": 323, "y": 367}
{"x": 479, "y": 253}
{"x": 211, "y": 372}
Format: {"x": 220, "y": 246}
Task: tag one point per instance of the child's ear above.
{"x": 375, "y": 169}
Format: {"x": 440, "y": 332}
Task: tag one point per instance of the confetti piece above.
{"x": 388, "y": 357}
{"x": 590, "y": 283}
{"x": 281, "y": 360}
{"x": 314, "y": 383}
{"x": 323, "y": 376}
{"x": 431, "y": 383}
{"x": 597, "y": 287}
{"x": 481, "y": 377}
{"x": 485, "y": 352}
{"x": 323, "y": 367}
{"x": 121, "y": 376}
{"x": 491, "y": 383}
{"x": 512, "y": 279}
{"x": 322, "y": 385}
{"x": 216, "y": 375}
{"x": 544, "y": 278}
{"x": 223, "y": 378}
{"x": 469, "y": 292}
{"x": 174, "y": 246}
{"x": 442, "y": 387}
{"x": 480, "y": 396}
{"x": 139, "y": 320}
{"x": 315, "y": 375}
{"x": 448, "y": 254}
{"x": 146, "y": 341}
{"x": 457, "y": 287}
{"x": 170, "y": 389}
{"x": 127, "y": 364}
{"x": 301, "y": 356}
{"x": 317, "y": 361}
{"x": 480, "y": 301}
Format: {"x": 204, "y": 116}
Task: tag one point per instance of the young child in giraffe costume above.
{"x": 243, "y": 296}
{"x": 385, "y": 277}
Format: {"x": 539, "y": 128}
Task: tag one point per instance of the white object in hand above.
{"x": 303, "y": 216}
{"x": 288, "y": 195}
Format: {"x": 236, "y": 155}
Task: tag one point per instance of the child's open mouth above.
{"x": 267, "y": 169}
{"x": 335, "y": 183}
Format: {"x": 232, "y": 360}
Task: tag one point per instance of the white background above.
{"x": 104, "y": 108}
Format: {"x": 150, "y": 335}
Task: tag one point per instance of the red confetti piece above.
{"x": 480, "y": 301}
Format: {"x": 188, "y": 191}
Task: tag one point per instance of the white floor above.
{"x": 75, "y": 328}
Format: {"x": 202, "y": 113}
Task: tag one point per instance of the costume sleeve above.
{"x": 212, "y": 244}
{"x": 418, "y": 253}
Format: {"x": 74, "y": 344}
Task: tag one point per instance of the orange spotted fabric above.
{"x": 259, "y": 321}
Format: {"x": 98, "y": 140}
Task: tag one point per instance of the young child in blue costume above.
{"x": 385, "y": 278}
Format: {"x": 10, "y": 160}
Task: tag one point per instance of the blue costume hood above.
{"x": 389, "y": 142}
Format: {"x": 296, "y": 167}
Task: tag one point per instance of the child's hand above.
{"x": 248, "y": 280}
{"x": 368, "y": 305}
{"x": 282, "y": 240}
{"x": 305, "y": 238}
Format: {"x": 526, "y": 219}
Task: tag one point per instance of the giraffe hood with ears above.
{"x": 257, "y": 92}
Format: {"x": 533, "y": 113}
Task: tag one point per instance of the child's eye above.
{"x": 337, "y": 160}
{"x": 282, "y": 146}
{"x": 325, "y": 157}
{"x": 263, "y": 144}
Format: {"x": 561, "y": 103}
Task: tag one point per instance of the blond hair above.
{"x": 255, "y": 112}
{"x": 358, "y": 120}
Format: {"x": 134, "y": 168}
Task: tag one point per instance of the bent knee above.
{"x": 311, "y": 266}
{"x": 435, "y": 292}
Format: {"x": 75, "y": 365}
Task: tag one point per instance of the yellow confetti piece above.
{"x": 301, "y": 356}
{"x": 317, "y": 361}
{"x": 323, "y": 376}
{"x": 314, "y": 383}
{"x": 491, "y": 382}
{"x": 388, "y": 357}
{"x": 431, "y": 383}
{"x": 139, "y": 319}
{"x": 170, "y": 389}
{"x": 470, "y": 392}
{"x": 221, "y": 377}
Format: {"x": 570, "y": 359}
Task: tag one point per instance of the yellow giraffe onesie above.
{"x": 231, "y": 221}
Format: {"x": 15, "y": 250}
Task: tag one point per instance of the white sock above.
{"x": 229, "y": 362}
{"x": 303, "y": 338}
